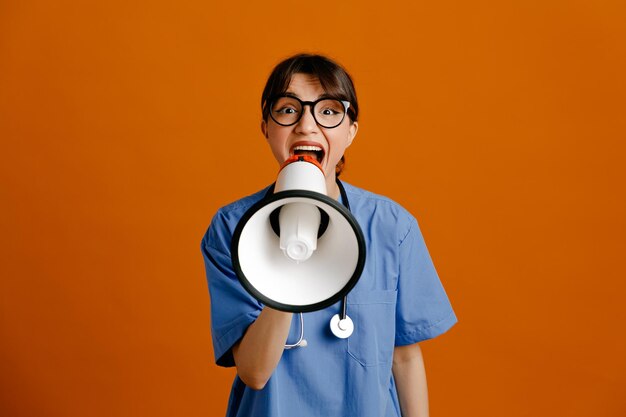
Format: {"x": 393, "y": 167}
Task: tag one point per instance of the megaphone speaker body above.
{"x": 312, "y": 258}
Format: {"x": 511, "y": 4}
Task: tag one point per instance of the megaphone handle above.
{"x": 343, "y": 307}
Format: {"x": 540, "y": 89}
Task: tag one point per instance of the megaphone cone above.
{"x": 298, "y": 250}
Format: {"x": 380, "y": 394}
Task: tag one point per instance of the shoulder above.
{"x": 379, "y": 211}
{"x": 373, "y": 199}
{"x": 226, "y": 218}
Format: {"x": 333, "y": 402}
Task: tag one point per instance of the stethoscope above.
{"x": 341, "y": 324}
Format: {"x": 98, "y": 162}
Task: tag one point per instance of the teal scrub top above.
{"x": 398, "y": 300}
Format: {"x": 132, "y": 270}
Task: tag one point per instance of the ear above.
{"x": 354, "y": 127}
{"x": 264, "y": 128}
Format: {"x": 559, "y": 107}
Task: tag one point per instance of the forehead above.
{"x": 305, "y": 86}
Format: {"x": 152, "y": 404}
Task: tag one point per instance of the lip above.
{"x": 308, "y": 143}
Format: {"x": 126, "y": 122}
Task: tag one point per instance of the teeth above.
{"x": 307, "y": 148}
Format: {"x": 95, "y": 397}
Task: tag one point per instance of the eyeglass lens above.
{"x": 328, "y": 113}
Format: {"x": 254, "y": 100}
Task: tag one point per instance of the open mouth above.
{"x": 313, "y": 151}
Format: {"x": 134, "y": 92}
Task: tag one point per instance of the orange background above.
{"x": 125, "y": 125}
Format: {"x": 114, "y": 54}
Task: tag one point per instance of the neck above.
{"x": 332, "y": 189}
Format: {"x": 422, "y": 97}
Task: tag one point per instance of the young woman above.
{"x": 398, "y": 301}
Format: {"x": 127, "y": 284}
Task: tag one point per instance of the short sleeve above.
{"x": 423, "y": 310}
{"x": 232, "y": 308}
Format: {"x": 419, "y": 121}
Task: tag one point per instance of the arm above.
{"x": 259, "y": 350}
{"x": 410, "y": 376}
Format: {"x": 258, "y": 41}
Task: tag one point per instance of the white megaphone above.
{"x": 297, "y": 249}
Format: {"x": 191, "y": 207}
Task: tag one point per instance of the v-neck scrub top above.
{"x": 398, "y": 300}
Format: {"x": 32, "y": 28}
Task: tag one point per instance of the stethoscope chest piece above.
{"x": 341, "y": 328}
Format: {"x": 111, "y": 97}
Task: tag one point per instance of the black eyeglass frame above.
{"x": 311, "y": 104}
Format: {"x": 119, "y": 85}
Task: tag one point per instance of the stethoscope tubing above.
{"x": 301, "y": 338}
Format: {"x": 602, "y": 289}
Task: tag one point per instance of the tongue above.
{"x": 307, "y": 153}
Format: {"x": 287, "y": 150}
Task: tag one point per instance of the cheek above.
{"x": 277, "y": 140}
{"x": 340, "y": 141}
{"x": 274, "y": 136}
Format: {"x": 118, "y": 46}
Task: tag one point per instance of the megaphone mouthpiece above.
{"x": 301, "y": 172}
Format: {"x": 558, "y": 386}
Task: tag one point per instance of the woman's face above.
{"x": 306, "y": 136}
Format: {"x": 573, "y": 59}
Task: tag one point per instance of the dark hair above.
{"x": 334, "y": 79}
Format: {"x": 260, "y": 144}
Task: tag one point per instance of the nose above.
{"x": 307, "y": 122}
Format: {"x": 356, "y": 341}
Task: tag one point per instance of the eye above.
{"x": 286, "y": 106}
{"x": 285, "y": 110}
{"x": 329, "y": 108}
{"x": 328, "y": 112}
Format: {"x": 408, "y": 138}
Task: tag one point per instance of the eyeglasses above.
{"x": 327, "y": 112}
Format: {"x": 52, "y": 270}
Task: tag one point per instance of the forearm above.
{"x": 260, "y": 349}
{"x": 410, "y": 377}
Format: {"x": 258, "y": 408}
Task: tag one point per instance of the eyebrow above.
{"x": 294, "y": 95}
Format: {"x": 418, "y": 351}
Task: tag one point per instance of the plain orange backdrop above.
{"x": 124, "y": 126}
